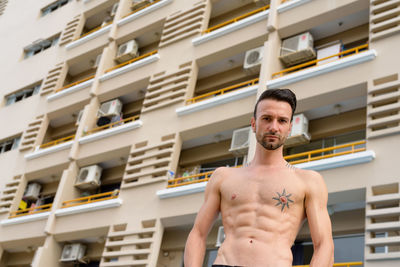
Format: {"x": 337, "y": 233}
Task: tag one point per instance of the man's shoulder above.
{"x": 310, "y": 177}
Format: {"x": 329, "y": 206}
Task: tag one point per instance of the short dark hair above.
{"x": 285, "y": 95}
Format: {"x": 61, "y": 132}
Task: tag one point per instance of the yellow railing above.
{"x": 221, "y": 91}
{"x": 205, "y": 176}
{"x": 30, "y": 211}
{"x": 312, "y": 63}
{"x": 75, "y": 83}
{"x": 58, "y": 141}
{"x": 309, "y": 155}
{"x": 132, "y": 60}
{"x": 341, "y": 264}
{"x": 143, "y": 7}
{"x": 236, "y": 19}
{"x": 94, "y": 30}
{"x": 133, "y": 118}
{"x": 90, "y": 199}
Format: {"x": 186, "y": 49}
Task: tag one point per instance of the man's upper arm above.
{"x": 211, "y": 206}
{"x": 316, "y": 210}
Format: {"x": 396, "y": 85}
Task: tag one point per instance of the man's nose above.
{"x": 273, "y": 127}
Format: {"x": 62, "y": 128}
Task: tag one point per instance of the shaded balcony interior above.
{"x": 82, "y": 70}
{"x": 38, "y": 195}
{"x": 324, "y": 43}
{"x": 138, "y": 5}
{"x": 81, "y": 249}
{"x": 22, "y": 254}
{"x": 119, "y": 110}
{"x": 138, "y": 45}
{"x": 100, "y": 17}
{"x": 224, "y": 12}
{"x": 97, "y": 182}
{"x": 228, "y": 74}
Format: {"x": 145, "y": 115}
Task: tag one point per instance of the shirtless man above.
{"x": 264, "y": 204}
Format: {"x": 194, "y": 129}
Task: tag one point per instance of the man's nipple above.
{"x": 233, "y": 196}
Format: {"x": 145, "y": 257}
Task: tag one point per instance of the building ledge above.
{"x": 230, "y": 28}
{"x": 143, "y": 12}
{"x": 132, "y": 66}
{"x": 218, "y": 100}
{"x": 382, "y": 256}
{"x": 323, "y": 164}
{"x": 70, "y": 90}
{"x": 41, "y": 152}
{"x": 110, "y": 132}
{"x": 291, "y": 4}
{"x": 105, "y": 204}
{"x": 26, "y": 218}
{"x": 88, "y": 37}
{"x": 325, "y": 68}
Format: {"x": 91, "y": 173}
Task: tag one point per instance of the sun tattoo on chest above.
{"x": 283, "y": 199}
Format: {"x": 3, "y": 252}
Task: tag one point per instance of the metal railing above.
{"x": 312, "y": 63}
{"x": 74, "y": 83}
{"x": 90, "y": 199}
{"x": 132, "y": 60}
{"x": 117, "y": 123}
{"x": 308, "y": 156}
{"x": 235, "y": 19}
{"x": 30, "y": 211}
{"x": 205, "y": 176}
{"x": 341, "y": 264}
{"x": 143, "y": 7}
{"x": 58, "y": 141}
{"x": 222, "y": 91}
{"x": 94, "y": 30}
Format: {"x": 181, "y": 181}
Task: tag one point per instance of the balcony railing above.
{"x": 113, "y": 124}
{"x": 132, "y": 60}
{"x": 236, "y": 19}
{"x": 75, "y": 83}
{"x": 311, "y": 155}
{"x": 141, "y": 8}
{"x": 305, "y": 157}
{"x": 30, "y": 211}
{"x": 94, "y": 30}
{"x": 90, "y": 199}
{"x": 58, "y": 141}
{"x": 341, "y": 264}
{"x": 221, "y": 91}
{"x": 313, "y": 63}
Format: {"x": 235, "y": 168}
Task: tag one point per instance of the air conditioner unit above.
{"x": 107, "y": 20}
{"x": 110, "y": 108}
{"x": 137, "y": 4}
{"x": 297, "y": 49}
{"x": 89, "y": 177}
{"x": 220, "y": 237}
{"x": 78, "y": 118}
{"x": 114, "y": 10}
{"x": 240, "y": 141}
{"x": 127, "y": 51}
{"x": 299, "y": 134}
{"x": 73, "y": 252}
{"x": 252, "y": 60}
{"x": 32, "y": 191}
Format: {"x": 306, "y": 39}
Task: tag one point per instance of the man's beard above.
{"x": 269, "y": 145}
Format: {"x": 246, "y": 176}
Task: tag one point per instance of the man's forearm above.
{"x": 194, "y": 251}
{"x": 323, "y": 256}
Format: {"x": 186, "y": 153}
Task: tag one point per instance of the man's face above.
{"x": 272, "y": 125}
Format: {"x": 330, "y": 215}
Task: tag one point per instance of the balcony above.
{"x": 218, "y": 97}
{"x": 72, "y": 87}
{"x": 141, "y": 9}
{"x": 90, "y": 203}
{"x": 52, "y": 146}
{"x": 317, "y": 67}
{"x": 129, "y": 65}
{"x": 28, "y": 215}
{"x": 289, "y": 4}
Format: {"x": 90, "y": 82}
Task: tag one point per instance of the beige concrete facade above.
{"x": 175, "y": 124}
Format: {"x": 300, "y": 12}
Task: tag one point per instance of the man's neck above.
{"x": 268, "y": 158}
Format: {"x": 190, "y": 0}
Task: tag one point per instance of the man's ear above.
{"x": 253, "y": 124}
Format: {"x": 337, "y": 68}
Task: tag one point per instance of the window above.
{"x": 22, "y": 94}
{"x": 54, "y": 6}
{"x": 40, "y": 45}
{"x": 9, "y": 144}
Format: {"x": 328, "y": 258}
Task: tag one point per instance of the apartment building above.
{"x": 116, "y": 113}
